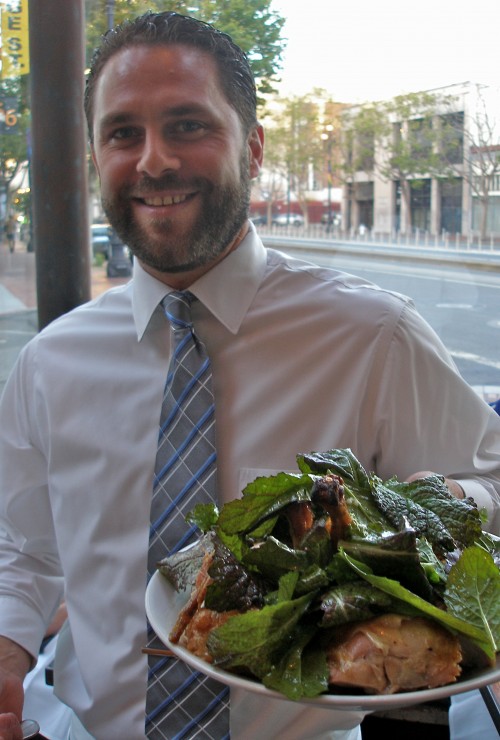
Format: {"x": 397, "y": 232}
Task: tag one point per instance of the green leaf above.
{"x": 353, "y": 602}
{"x": 273, "y": 558}
{"x": 233, "y": 586}
{"x": 181, "y": 568}
{"x": 459, "y": 518}
{"x": 204, "y": 516}
{"x": 473, "y": 592}
{"x": 339, "y": 461}
{"x": 261, "y": 499}
{"x": 456, "y": 624}
{"x": 303, "y": 671}
{"x": 398, "y": 508}
{"x": 312, "y": 579}
{"x": 256, "y": 639}
{"x": 395, "y": 557}
{"x": 286, "y": 586}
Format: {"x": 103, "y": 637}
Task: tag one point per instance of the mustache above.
{"x": 149, "y": 185}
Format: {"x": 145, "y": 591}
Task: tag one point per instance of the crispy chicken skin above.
{"x": 328, "y": 492}
{"x": 195, "y": 622}
{"x": 195, "y": 600}
{"x": 300, "y": 520}
{"x": 195, "y": 634}
{"x": 393, "y": 653}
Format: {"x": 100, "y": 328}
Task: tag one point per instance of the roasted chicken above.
{"x": 393, "y": 653}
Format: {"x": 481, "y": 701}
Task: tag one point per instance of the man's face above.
{"x": 173, "y": 161}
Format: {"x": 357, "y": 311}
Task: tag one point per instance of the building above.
{"x": 425, "y": 162}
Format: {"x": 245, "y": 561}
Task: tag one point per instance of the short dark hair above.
{"x": 167, "y": 28}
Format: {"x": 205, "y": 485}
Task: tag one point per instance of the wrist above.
{"x": 14, "y": 658}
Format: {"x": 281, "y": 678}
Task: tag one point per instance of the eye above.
{"x": 124, "y": 132}
{"x": 187, "y": 128}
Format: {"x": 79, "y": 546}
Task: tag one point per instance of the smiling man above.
{"x": 302, "y": 358}
{"x": 174, "y": 160}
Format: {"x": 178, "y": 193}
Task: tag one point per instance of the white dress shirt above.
{"x": 304, "y": 358}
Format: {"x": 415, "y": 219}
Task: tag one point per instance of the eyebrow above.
{"x": 114, "y": 119}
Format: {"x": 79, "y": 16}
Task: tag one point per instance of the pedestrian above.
{"x": 10, "y": 232}
{"x": 300, "y": 358}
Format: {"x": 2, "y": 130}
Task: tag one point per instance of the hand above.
{"x": 454, "y": 488}
{"x": 11, "y": 702}
{"x": 14, "y": 664}
{"x": 11, "y": 698}
{"x": 10, "y": 728}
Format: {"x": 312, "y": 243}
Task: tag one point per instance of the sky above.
{"x": 361, "y": 50}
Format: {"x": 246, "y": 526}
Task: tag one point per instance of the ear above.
{"x": 255, "y": 150}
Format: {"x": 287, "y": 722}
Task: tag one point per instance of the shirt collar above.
{"x": 227, "y": 290}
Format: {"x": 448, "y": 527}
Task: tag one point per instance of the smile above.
{"x": 165, "y": 200}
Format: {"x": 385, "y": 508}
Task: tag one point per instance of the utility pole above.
{"x": 59, "y": 180}
{"x": 110, "y": 10}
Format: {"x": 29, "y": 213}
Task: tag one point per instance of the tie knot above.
{"x": 177, "y": 307}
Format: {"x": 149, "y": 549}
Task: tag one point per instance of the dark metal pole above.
{"x": 59, "y": 178}
{"x": 110, "y": 9}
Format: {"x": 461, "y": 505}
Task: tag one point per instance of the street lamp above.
{"x": 327, "y": 137}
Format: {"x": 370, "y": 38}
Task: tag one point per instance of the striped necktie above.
{"x": 181, "y": 702}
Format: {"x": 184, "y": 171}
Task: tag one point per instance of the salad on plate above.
{"x": 331, "y": 580}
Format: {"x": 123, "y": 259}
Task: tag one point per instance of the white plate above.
{"x": 163, "y": 604}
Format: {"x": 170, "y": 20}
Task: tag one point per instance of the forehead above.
{"x": 176, "y": 74}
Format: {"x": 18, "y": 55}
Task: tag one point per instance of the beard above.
{"x": 223, "y": 213}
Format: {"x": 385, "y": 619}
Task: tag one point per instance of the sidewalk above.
{"x": 18, "y": 305}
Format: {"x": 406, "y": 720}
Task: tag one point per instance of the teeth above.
{"x": 167, "y": 200}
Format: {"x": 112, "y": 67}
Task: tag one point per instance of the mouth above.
{"x": 158, "y": 201}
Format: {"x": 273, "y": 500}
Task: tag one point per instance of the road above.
{"x": 462, "y": 304}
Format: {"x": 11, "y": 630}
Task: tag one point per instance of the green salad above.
{"x": 401, "y": 548}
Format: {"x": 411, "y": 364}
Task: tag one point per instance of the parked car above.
{"x": 258, "y": 219}
{"x": 101, "y": 240}
{"x": 288, "y": 219}
{"x": 119, "y": 262}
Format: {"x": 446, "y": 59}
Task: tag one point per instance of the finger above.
{"x": 10, "y": 729}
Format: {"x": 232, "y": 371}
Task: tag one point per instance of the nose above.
{"x": 158, "y": 155}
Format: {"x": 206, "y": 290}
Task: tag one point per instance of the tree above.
{"x": 251, "y": 24}
{"x": 299, "y": 119}
{"x": 13, "y": 136}
{"x": 361, "y": 129}
{"x": 412, "y": 146}
{"x": 471, "y": 150}
{"x": 400, "y": 140}
{"x": 274, "y": 175}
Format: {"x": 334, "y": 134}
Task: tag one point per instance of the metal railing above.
{"x": 417, "y": 238}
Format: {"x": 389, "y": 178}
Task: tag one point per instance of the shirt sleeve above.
{"x": 31, "y": 584}
{"x": 429, "y": 418}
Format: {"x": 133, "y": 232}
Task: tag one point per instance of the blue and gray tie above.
{"x": 182, "y": 703}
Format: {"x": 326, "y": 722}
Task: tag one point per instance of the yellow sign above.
{"x": 15, "y": 38}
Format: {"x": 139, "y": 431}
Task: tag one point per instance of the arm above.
{"x": 432, "y": 420}
{"x": 14, "y": 664}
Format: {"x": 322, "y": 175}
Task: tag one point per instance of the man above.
{"x": 303, "y": 358}
{"x": 10, "y": 231}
